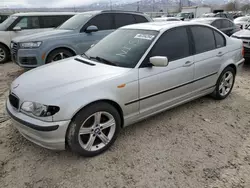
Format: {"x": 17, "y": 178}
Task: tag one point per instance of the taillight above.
{"x": 243, "y": 51}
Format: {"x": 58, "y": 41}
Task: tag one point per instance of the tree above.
{"x": 230, "y": 6}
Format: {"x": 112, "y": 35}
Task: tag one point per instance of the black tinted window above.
{"x": 28, "y": 23}
{"x": 219, "y": 39}
{"x": 124, "y": 19}
{"x": 203, "y": 39}
{"x": 217, "y": 24}
{"x": 140, "y": 19}
{"x": 231, "y": 24}
{"x": 173, "y": 44}
{"x": 225, "y": 24}
{"x": 102, "y": 22}
{"x": 53, "y": 21}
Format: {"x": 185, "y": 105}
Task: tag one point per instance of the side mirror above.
{"x": 17, "y": 28}
{"x": 159, "y": 61}
{"x": 91, "y": 29}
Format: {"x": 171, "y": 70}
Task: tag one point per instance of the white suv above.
{"x": 22, "y": 24}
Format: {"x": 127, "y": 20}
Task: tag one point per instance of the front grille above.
{"x": 28, "y": 61}
{"x": 14, "y": 101}
{"x": 14, "y": 50}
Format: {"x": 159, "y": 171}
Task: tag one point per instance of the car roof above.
{"x": 43, "y": 13}
{"x": 111, "y": 11}
{"x": 158, "y": 26}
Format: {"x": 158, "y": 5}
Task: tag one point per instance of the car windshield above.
{"x": 243, "y": 19}
{"x": 7, "y": 22}
{"x": 75, "y": 22}
{"x": 183, "y": 15}
{"x": 123, "y": 48}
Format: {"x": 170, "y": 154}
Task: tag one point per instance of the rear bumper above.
{"x": 50, "y": 135}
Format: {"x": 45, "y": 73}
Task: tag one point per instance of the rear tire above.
{"x": 224, "y": 84}
{"x": 94, "y": 129}
{"x": 4, "y": 54}
{"x": 59, "y": 54}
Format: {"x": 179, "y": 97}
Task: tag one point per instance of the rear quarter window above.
{"x": 140, "y": 19}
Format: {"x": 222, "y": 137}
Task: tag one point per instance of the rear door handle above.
{"x": 219, "y": 54}
{"x": 188, "y": 64}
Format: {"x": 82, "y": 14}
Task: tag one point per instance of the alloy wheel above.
{"x": 97, "y": 131}
{"x": 2, "y": 54}
{"x": 59, "y": 56}
{"x": 226, "y": 83}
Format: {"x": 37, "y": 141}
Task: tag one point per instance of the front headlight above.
{"x": 30, "y": 44}
{"x": 39, "y": 110}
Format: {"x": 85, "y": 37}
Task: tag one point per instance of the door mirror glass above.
{"x": 17, "y": 28}
{"x": 91, "y": 29}
{"x": 159, "y": 61}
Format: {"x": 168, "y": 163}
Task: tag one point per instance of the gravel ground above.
{"x": 204, "y": 143}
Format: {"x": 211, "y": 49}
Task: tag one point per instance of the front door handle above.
{"x": 219, "y": 54}
{"x": 188, "y": 64}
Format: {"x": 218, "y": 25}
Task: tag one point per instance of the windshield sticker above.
{"x": 144, "y": 36}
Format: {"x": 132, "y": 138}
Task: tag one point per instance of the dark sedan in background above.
{"x": 223, "y": 24}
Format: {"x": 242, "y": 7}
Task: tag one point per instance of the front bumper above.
{"x": 28, "y": 58}
{"x": 50, "y": 135}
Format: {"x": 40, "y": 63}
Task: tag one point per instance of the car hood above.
{"x": 62, "y": 77}
{"x": 242, "y": 33}
{"x": 41, "y": 36}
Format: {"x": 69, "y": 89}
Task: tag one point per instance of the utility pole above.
{"x": 153, "y": 5}
{"x": 138, "y": 6}
{"x": 110, "y": 4}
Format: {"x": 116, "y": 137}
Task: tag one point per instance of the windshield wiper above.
{"x": 105, "y": 61}
{"x": 84, "y": 54}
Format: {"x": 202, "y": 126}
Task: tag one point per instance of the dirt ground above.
{"x": 204, "y": 143}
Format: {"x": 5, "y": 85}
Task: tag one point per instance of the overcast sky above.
{"x": 45, "y": 3}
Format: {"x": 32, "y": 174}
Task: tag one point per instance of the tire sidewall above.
{"x": 218, "y": 95}
{"x": 76, "y": 123}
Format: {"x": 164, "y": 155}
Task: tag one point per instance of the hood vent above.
{"x": 85, "y": 62}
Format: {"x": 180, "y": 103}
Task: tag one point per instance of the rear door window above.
{"x": 225, "y": 24}
{"x": 124, "y": 19}
{"x": 31, "y": 22}
{"x": 203, "y": 39}
{"x": 217, "y": 24}
{"x": 102, "y": 22}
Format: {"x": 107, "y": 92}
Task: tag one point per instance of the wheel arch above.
{"x": 111, "y": 102}
{"x": 6, "y": 46}
{"x": 60, "y": 47}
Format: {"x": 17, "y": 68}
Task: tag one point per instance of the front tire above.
{"x": 58, "y": 54}
{"x": 94, "y": 129}
{"x": 224, "y": 84}
{"x": 4, "y": 54}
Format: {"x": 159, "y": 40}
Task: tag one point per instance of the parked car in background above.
{"x": 243, "y": 22}
{"x": 73, "y": 37}
{"x": 217, "y": 15}
{"x": 162, "y": 19}
{"x": 131, "y": 74}
{"x": 223, "y": 24}
{"x": 185, "y": 16}
{"x": 196, "y": 11}
{"x": 244, "y": 35}
{"x": 22, "y": 24}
